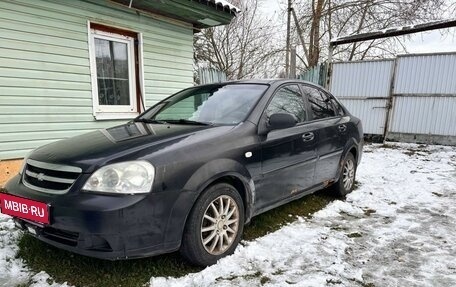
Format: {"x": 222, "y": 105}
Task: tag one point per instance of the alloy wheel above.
{"x": 348, "y": 176}
{"x": 219, "y": 225}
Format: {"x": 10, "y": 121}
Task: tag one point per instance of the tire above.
{"x": 197, "y": 245}
{"x": 347, "y": 176}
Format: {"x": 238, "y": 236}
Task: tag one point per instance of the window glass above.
{"x": 183, "y": 109}
{"x": 337, "y": 107}
{"x": 320, "y": 103}
{"x": 288, "y": 100}
{"x": 113, "y": 65}
{"x": 112, "y": 72}
{"x": 215, "y": 104}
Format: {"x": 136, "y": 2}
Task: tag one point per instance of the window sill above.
{"x": 115, "y": 116}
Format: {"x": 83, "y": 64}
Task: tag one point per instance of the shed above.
{"x": 69, "y": 67}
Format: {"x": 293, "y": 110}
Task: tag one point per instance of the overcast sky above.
{"x": 425, "y": 42}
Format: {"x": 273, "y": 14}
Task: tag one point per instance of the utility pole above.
{"x": 329, "y": 65}
{"x": 287, "y": 57}
{"x": 299, "y": 30}
{"x": 292, "y": 74}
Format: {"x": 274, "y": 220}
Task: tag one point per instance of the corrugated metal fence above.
{"x": 316, "y": 74}
{"x": 210, "y": 75}
{"x": 364, "y": 88}
{"x": 424, "y": 99}
{"x": 411, "y": 98}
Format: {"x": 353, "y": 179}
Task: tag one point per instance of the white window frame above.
{"x": 108, "y": 112}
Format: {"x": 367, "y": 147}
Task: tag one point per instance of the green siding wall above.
{"x": 45, "y": 85}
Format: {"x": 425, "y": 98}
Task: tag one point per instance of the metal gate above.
{"x": 424, "y": 99}
{"x": 365, "y": 89}
{"x": 411, "y": 98}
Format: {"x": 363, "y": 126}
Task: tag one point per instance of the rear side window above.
{"x": 288, "y": 100}
{"x": 320, "y": 103}
{"x": 337, "y": 106}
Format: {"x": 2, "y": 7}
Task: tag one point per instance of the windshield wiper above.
{"x": 151, "y": 121}
{"x": 188, "y": 122}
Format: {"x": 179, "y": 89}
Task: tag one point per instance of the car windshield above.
{"x": 225, "y": 104}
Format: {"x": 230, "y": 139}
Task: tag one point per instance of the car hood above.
{"x": 131, "y": 141}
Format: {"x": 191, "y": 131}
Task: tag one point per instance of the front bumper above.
{"x": 105, "y": 226}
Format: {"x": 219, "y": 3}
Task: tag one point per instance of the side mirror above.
{"x": 281, "y": 121}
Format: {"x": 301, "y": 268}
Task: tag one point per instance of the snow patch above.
{"x": 12, "y": 270}
{"x": 42, "y": 279}
{"x": 226, "y": 3}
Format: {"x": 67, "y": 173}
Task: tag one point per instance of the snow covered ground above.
{"x": 398, "y": 228}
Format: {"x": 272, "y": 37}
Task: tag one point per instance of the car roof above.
{"x": 264, "y": 82}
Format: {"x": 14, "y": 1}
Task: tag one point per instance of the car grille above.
{"x": 49, "y": 178}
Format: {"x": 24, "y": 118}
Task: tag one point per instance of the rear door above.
{"x": 330, "y": 130}
{"x": 288, "y": 155}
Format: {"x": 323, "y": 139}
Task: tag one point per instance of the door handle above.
{"x": 342, "y": 128}
{"x": 307, "y": 137}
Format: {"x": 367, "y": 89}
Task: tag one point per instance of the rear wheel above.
{"x": 215, "y": 225}
{"x": 346, "y": 181}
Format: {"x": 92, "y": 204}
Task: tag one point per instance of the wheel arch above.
{"x": 223, "y": 170}
{"x": 354, "y": 150}
{"x": 352, "y": 147}
{"x": 241, "y": 185}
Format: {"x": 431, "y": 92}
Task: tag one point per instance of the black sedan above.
{"x": 188, "y": 173}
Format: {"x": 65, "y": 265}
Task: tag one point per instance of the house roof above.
{"x": 226, "y": 4}
{"x": 200, "y": 13}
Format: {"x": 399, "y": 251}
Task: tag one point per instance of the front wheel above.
{"x": 346, "y": 181}
{"x": 215, "y": 225}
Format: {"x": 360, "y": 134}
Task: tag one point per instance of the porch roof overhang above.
{"x": 397, "y": 31}
{"x": 200, "y": 13}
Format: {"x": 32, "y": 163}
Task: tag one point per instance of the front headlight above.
{"x": 123, "y": 178}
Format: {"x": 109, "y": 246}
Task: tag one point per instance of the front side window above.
{"x": 113, "y": 74}
{"x": 288, "y": 100}
{"x": 320, "y": 103}
{"x": 215, "y": 104}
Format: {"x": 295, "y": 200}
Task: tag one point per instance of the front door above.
{"x": 288, "y": 155}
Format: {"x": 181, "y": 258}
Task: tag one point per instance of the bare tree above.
{"x": 314, "y": 35}
{"x": 243, "y": 48}
{"x": 254, "y": 46}
{"x": 322, "y": 20}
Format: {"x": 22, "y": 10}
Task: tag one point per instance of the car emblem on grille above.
{"x": 40, "y": 176}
